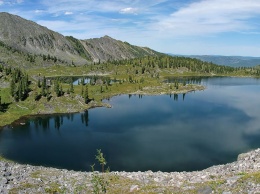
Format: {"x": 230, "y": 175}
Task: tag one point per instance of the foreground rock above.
{"x": 242, "y": 176}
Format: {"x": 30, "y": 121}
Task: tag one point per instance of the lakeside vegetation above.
{"x": 46, "y": 90}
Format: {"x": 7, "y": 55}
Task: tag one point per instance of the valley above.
{"x": 147, "y": 110}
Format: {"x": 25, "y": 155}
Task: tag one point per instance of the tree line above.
{"x": 149, "y": 63}
{"x": 19, "y": 84}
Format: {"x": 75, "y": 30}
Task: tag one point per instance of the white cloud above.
{"x": 159, "y": 22}
{"x": 211, "y": 16}
{"x": 38, "y": 11}
{"x": 90, "y": 6}
{"x": 68, "y": 13}
{"x": 58, "y": 6}
{"x": 129, "y": 10}
{"x": 11, "y": 2}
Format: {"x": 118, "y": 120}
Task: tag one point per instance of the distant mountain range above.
{"x": 233, "y": 61}
{"x": 29, "y": 37}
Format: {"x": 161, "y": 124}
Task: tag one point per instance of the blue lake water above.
{"x": 167, "y": 133}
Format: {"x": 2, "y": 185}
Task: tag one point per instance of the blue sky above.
{"x": 204, "y": 27}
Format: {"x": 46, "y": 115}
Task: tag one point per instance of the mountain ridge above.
{"x": 29, "y": 37}
{"x": 233, "y": 61}
{"x": 101, "y": 48}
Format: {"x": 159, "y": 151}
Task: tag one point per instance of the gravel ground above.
{"x": 242, "y": 176}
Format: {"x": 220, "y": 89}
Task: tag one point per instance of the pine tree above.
{"x": 43, "y": 93}
{"x": 48, "y": 94}
{"x": 12, "y": 88}
{"x": 82, "y": 90}
{"x": 61, "y": 91}
{"x": 57, "y": 88}
{"x": 101, "y": 159}
{"x": 44, "y": 82}
{"x": 1, "y": 106}
{"x": 20, "y": 91}
{"x": 86, "y": 97}
{"x": 71, "y": 87}
{"x": 39, "y": 83}
{"x": 36, "y": 96}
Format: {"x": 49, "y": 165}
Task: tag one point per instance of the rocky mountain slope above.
{"x": 107, "y": 48}
{"x": 29, "y": 37}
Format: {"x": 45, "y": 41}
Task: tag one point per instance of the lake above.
{"x": 159, "y": 133}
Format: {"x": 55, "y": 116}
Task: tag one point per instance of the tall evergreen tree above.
{"x": 20, "y": 91}
{"x": 82, "y": 90}
{"x": 86, "y": 97}
{"x": 44, "y": 82}
{"x": 57, "y": 88}
{"x": 39, "y": 83}
{"x": 71, "y": 87}
{"x": 61, "y": 91}
{"x": 12, "y": 88}
{"x": 1, "y": 106}
{"x": 43, "y": 92}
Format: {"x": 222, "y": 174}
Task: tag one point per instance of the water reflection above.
{"x": 186, "y": 80}
{"x": 84, "y": 118}
{"x": 44, "y": 122}
{"x": 169, "y": 133}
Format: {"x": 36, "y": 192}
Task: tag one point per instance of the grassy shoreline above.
{"x": 75, "y": 103}
{"x": 144, "y": 76}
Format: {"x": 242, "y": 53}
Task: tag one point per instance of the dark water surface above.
{"x": 166, "y": 133}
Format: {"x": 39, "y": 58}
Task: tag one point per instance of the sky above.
{"x": 186, "y": 27}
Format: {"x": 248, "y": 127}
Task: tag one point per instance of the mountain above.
{"x": 233, "y": 61}
{"x": 29, "y": 37}
{"x": 107, "y": 48}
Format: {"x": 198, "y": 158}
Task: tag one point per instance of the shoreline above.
{"x": 241, "y": 176}
{"x": 93, "y": 104}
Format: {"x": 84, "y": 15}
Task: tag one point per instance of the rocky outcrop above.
{"x": 241, "y": 176}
